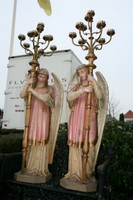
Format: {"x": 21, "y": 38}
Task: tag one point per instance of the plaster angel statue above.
{"x": 44, "y": 119}
{"x": 77, "y": 95}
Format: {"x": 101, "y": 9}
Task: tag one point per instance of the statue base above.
{"x": 31, "y": 179}
{"x": 90, "y": 186}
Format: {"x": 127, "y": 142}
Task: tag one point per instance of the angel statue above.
{"x": 77, "y": 95}
{"x": 46, "y": 108}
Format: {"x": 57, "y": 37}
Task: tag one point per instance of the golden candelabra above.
{"x": 38, "y": 50}
{"x": 90, "y": 43}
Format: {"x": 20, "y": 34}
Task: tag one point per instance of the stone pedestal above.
{"x": 31, "y": 179}
{"x": 90, "y": 186}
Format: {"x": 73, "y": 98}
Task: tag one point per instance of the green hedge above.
{"x": 117, "y": 142}
{"x": 10, "y": 143}
{"x": 7, "y": 131}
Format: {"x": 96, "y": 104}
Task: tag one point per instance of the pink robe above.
{"x": 76, "y": 131}
{"x": 38, "y": 137}
{"x": 39, "y": 122}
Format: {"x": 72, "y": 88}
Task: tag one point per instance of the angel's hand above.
{"x": 30, "y": 82}
{"x": 88, "y": 89}
{"x": 29, "y": 89}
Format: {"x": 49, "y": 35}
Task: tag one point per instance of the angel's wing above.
{"x": 71, "y": 85}
{"x": 103, "y": 105}
{"x": 56, "y": 115}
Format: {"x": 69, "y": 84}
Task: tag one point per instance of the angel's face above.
{"x": 42, "y": 78}
{"x": 83, "y": 74}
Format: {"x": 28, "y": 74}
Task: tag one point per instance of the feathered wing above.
{"x": 71, "y": 85}
{"x": 103, "y": 105}
{"x": 56, "y": 116}
{"x": 46, "y": 6}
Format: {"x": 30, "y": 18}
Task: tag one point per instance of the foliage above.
{"x": 61, "y": 152}
{"x": 117, "y": 143}
{"x": 7, "y": 131}
{"x": 118, "y": 140}
{"x": 10, "y": 143}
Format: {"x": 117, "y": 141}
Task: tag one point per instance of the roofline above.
{"x": 58, "y": 51}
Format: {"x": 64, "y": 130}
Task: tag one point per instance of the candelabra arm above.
{"x": 28, "y": 51}
{"x": 108, "y": 40}
{"x": 38, "y": 38}
{"x": 25, "y": 48}
{"x": 75, "y": 43}
{"x": 83, "y": 39}
{"x": 21, "y": 44}
{"x": 42, "y": 43}
{"x": 84, "y": 47}
{"x": 81, "y": 35}
{"x": 48, "y": 55}
{"x": 97, "y": 46}
{"x": 100, "y": 33}
{"x": 90, "y": 26}
{"x": 85, "y": 33}
{"x": 47, "y": 45}
{"x": 33, "y": 41}
{"x": 101, "y": 45}
{"x": 91, "y": 35}
{"x": 97, "y": 32}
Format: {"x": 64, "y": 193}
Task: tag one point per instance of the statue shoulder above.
{"x": 74, "y": 87}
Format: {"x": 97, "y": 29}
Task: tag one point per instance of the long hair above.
{"x": 83, "y": 66}
{"x": 42, "y": 71}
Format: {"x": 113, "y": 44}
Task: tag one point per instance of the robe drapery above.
{"x": 76, "y": 131}
{"x": 77, "y": 123}
{"x": 39, "y": 122}
{"x": 38, "y": 137}
{"x": 39, "y": 131}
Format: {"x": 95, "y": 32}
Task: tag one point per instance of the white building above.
{"x": 62, "y": 63}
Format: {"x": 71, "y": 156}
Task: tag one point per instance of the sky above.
{"x": 114, "y": 61}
